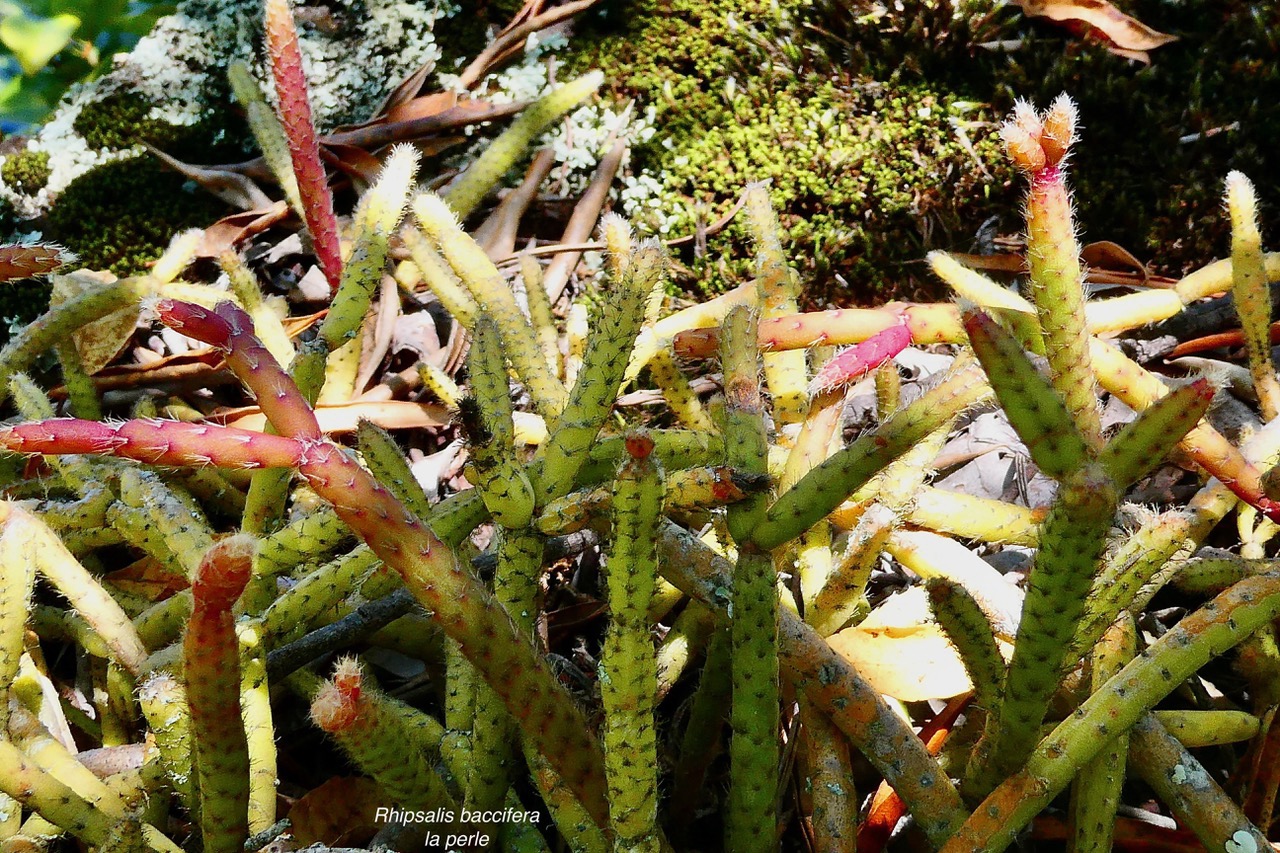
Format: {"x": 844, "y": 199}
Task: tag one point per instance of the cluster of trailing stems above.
{"x": 697, "y": 523}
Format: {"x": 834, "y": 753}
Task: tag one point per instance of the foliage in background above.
{"x": 49, "y": 45}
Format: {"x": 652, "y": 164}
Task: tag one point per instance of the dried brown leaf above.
{"x": 1123, "y": 35}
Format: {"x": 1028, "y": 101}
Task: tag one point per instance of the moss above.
{"x": 866, "y": 196}
{"x": 121, "y": 215}
{"x": 866, "y": 175}
{"x": 26, "y": 172}
{"x": 122, "y": 120}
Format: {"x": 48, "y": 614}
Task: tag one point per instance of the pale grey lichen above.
{"x": 365, "y": 48}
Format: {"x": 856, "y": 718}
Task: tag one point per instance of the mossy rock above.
{"x": 170, "y": 92}
{"x": 747, "y": 90}
{"x": 121, "y": 215}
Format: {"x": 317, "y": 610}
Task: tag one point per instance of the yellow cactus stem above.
{"x": 28, "y": 538}
{"x": 702, "y": 316}
{"x": 211, "y": 671}
{"x": 255, "y": 709}
{"x": 1195, "y": 729}
{"x": 540, "y": 315}
{"x": 53, "y": 799}
{"x": 469, "y": 188}
{"x": 17, "y": 577}
{"x": 888, "y": 390}
{"x": 1096, "y": 791}
{"x": 777, "y": 293}
{"x": 439, "y": 278}
{"x": 1250, "y": 290}
{"x": 1038, "y": 146}
{"x": 268, "y": 133}
{"x": 440, "y": 383}
{"x": 680, "y": 396}
{"x": 576, "y": 329}
{"x": 842, "y": 599}
{"x": 495, "y": 298}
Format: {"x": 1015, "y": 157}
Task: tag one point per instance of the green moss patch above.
{"x": 121, "y": 215}
{"x": 26, "y": 172}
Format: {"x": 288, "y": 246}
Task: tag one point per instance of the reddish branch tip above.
{"x": 639, "y": 445}
{"x": 224, "y": 572}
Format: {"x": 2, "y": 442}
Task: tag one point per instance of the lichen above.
{"x": 26, "y": 172}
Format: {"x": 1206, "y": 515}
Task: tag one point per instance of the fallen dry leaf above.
{"x": 902, "y": 652}
{"x": 1122, "y": 34}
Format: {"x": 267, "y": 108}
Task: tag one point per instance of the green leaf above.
{"x": 34, "y": 41}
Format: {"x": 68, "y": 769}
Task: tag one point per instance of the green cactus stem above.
{"x": 1036, "y": 411}
{"x": 823, "y": 488}
{"x": 1065, "y": 563}
{"x": 484, "y": 173}
{"x": 702, "y": 740}
{"x": 971, "y": 632}
{"x": 1147, "y": 439}
{"x": 1096, "y": 791}
{"x": 376, "y": 218}
{"x": 604, "y": 363}
{"x": 495, "y": 298}
{"x": 487, "y": 422}
{"x": 363, "y": 721}
{"x": 268, "y": 133}
{"x": 777, "y": 292}
{"x": 754, "y": 751}
{"x": 211, "y": 672}
{"x": 628, "y": 671}
{"x": 1250, "y": 292}
{"x": 688, "y": 490}
{"x": 1038, "y": 146}
{"x": 290, "y": 79}
{"x": 1120, "y": 703}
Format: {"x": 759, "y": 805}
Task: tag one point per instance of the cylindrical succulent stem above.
{"x": 823, "y": 488}
{"x": 260, "y": 733}
{"x": 1250, "y": 291}
{"x": 17, "y": 577}
{"x": 777, "y": 289}
{"x": 486, "y": 170}
{"x": 628, "y": 669}
{"x": 299, "y": 129}
{"x": 1097, "y": 790}
{"x": 495, "y": 298}
{"x": 1038, "y": 145}
{"x": 603, "y": 364}
{"x": 1189, "y": 790}
{"x": 1065, "y": 564}
{"x": 1120, "y": 703}
{"x": 163, "y": 700}
{"x": 376, "y": 737}
{"x": 211, "y": 671}
{"x": 268, "y": 133}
